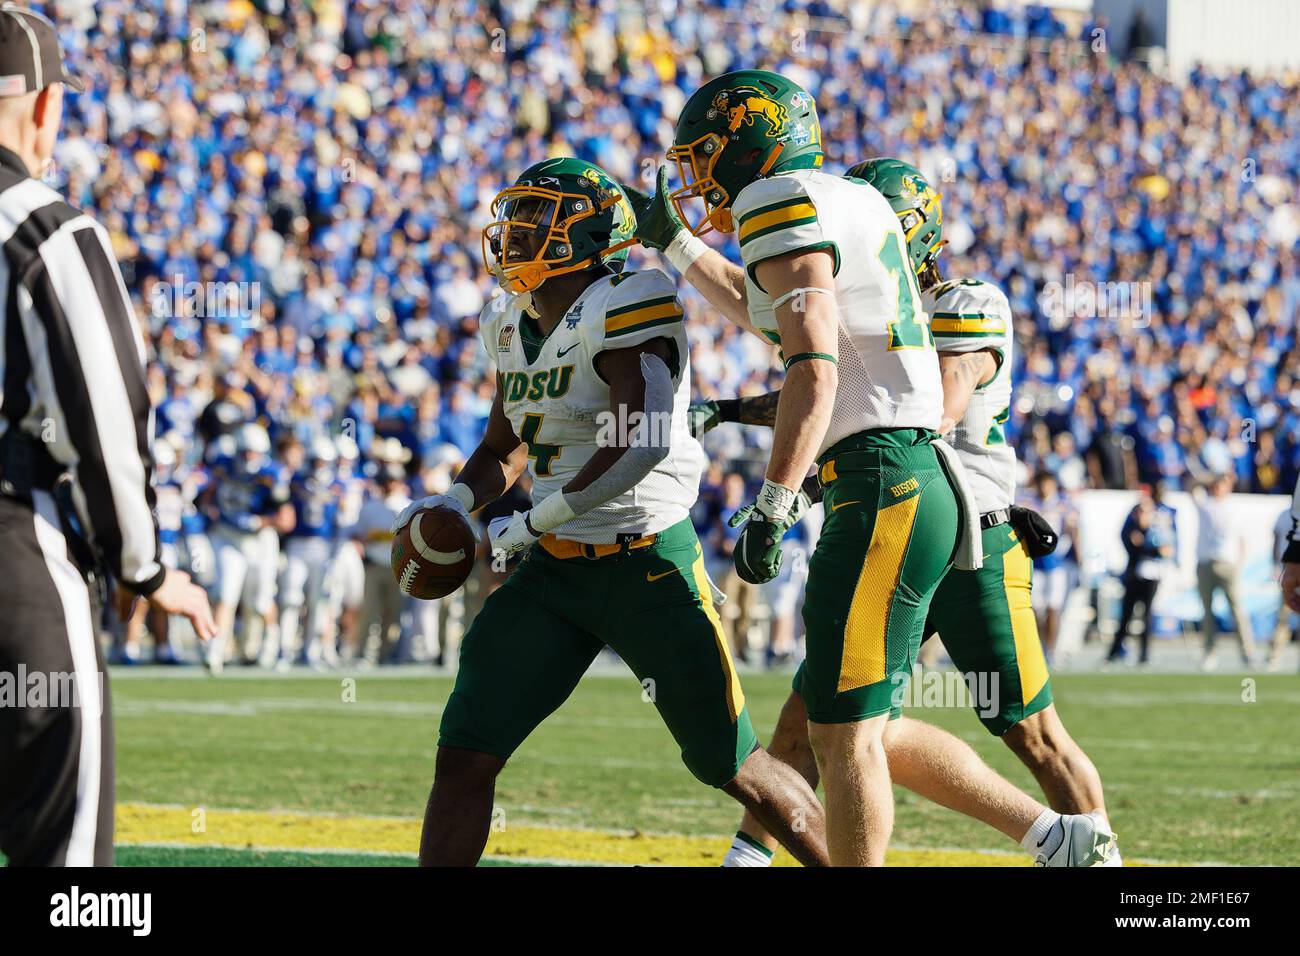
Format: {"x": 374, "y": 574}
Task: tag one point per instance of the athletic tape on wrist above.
{"x": 462, "y": 493}
{"x": 684, "y": 249}
{"x": 552, "y": 512}
{"x": 775, "y": 501}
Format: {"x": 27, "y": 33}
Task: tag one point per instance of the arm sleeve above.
{"x": 72, "y": 290}
{"x": 776, "y": 217}
{"x": 969, "y": 316}
{"x": 648, "y": 448}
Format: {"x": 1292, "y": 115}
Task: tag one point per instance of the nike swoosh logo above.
{"x": 560, "y": 353}
{"x": 844, "y": 504}
{"x": 1058, "y": 823}
{"x": 655, "y": 577}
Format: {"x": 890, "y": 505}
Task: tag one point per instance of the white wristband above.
{"x": 775, "y": 501}
{"x": 684, "y": 250}
{"x": 464, "y": 494}
{"x": 552, "y": 512}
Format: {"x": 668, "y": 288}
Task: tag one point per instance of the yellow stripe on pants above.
{"x": 863, "y": 662}
{"x": 1017, "y": 569}
{"x": 735, "y": 696}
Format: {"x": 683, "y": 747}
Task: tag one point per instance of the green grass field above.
{"x": 1193, "y": 772}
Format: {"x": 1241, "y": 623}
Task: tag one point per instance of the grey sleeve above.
{"x": 646, "y": 448}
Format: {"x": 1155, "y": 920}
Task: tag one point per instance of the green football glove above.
{"x": 758, "y": 554}
{"x": 657, "y": 221}
{"x": 703, "y": 417}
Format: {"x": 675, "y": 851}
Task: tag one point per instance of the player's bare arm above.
{"x": 493, "y": 467}
{"x": 963, "y": 372}
{"x": 802, "y": 288}
{"x": 703, "y": 417}
{"x": 722, "y": 283}
{"x": 498, "y": 461}
{"x": 716, "y": 277}
{"x": 808, "y": 322}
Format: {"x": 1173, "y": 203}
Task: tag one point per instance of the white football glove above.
{"x": 511, "y": 535}
{"x": 434, "y": 501}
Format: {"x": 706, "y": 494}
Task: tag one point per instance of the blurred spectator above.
{"x": 1149, "y": 543}
{"x": 1220, "y": 549}
{"x": 1055, "y": 575}
{"x": 1285, "y": 631}
{"x": 297, "y": 209}
{"x": 382, "y": 604}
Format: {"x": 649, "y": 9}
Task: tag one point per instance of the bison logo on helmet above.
{"x": 745, "y": 105}
{"x": 608, "y": 193}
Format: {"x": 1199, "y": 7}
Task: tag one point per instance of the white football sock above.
{"x": 746, "y": 851}
{"x": 1045, "y": 835}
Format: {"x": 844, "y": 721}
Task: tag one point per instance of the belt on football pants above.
{"x": 564, "y": 549}
{"x": 991, "y": 519}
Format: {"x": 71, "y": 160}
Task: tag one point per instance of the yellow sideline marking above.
{"x": 150, "y": 824}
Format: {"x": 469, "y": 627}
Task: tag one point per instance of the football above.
{"x": 433, "y": 554}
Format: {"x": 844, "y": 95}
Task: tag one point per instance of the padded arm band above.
{"x": 808, "y": 290}
{"x": 646, "y": 449}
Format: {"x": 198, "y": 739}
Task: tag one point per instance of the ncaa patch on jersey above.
{"x": 503, "y": 340}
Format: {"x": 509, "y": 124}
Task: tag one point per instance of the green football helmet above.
{"x": 914, "y": 200}
{"x": 560, "y": 216}
{"x": 735, "y": 129}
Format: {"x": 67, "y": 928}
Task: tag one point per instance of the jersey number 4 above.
{"x": 542, "y": 455}
{"x": 906, "y": 331}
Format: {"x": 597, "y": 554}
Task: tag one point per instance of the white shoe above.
{"x": 1078, "y": 840}
{"x": 214, "y": 659}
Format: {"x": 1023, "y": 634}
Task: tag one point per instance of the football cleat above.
{"x": 1078, "y": 840}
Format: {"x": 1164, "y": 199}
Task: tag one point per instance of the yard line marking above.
{"x": 140, "y": 824}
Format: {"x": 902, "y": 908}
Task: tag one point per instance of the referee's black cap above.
{"x": 30, "y": 58}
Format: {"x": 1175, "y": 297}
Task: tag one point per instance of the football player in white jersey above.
{"x": 983, "y": 615}
{"x": 826, "y": 278}
{"x": 593, "y": 385}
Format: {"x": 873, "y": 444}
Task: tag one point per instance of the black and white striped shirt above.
{"x": 72, "y": 367}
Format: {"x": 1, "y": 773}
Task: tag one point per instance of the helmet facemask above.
{"x": 695, "y": 162}
{"x": 695, "y": 165}
{"x": 528, "y": 240}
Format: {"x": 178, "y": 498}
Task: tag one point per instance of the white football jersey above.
{"x": 967, "y": 315}
{"x": 559, "y": 405}
{"x": 888, "y": 367}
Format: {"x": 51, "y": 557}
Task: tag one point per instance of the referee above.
{"x": 75, "y": 435}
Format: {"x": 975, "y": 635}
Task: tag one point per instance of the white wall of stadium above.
{"x": 1101, "y": 552}
{"x": 1258, "y": 35}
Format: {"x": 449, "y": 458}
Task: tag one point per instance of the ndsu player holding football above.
{"x": 609, "y": 552}
{"x": 826, "y": 279}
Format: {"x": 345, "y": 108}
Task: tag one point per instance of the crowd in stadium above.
{"x": 295, "y": 192}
